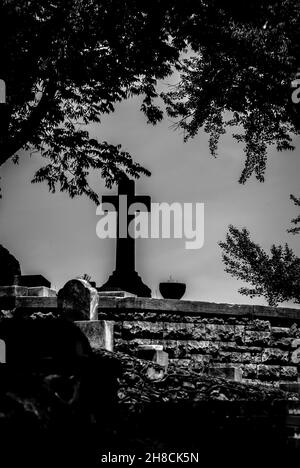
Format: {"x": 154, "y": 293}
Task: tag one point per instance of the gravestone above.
{"x": 9, "y": 267}
{"x": 78, "y": 300}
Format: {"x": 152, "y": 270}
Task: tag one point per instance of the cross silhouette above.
{"x": 125, "y": 277}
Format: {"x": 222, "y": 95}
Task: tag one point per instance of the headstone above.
{"x": 9, "y": 267}
{"x": 78, "y": 300}
{"x": 125, "y": 277}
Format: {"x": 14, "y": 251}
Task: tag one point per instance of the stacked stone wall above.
{"x": 211, "y": 337}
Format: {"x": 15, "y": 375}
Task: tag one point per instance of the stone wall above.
{"x": 261, "y": 344}
{"x": 241, "y": 342}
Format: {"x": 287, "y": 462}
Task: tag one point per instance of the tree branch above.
{"x": 30, "y": 125}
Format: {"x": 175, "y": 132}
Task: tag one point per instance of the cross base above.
{"x": 129, "y": 281}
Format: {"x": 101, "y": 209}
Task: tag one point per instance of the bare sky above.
{"x": 56, "y": 236}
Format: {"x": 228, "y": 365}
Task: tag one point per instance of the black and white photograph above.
{"x": 149, "y": 233}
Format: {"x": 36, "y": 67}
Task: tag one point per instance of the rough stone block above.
{"x": 295, "y": 330}
{"x": 295, "y": 358}
{"x": 118, "y": 329}
{"x": 186, "y": 319}
{"x": 282, "y": 343}
{"x": 151, "y": 347}
{"x": 289, "y": 373}
{"x": 259, "y": 325}
{"x": 233, "y": 346}
{"x": 201, "y": 358}
{"x": 78, "y": 300}
{"x": 249, "y": 371}
{"x": 229, "y": 356}
{"x": 280, "y": 332}
{"x": 173, "y": 349}
{"x": 217, "y": 332}
{"x": 252, "y": 382}
{"x": 270, "y": 372}
{"x": 98, "y": 332}
{"x": 140, "y": 329}
{"x": 239, "y": 333}
{"x": 26, "y": 305}
{"x": 197, "y": 347}
{"x": 226, "y": 372}
{"x": 13, "y": 291}
{"x": 23, "y": 291}
{"x": 296, "y": 343}
{"x": 179, "y": 331}
{"x": 274, "y": 356}
{"x": 180, "y": 362}
{"x": 199, "y": 332}
{"x": 257, "y": 338}
{"x": 41, "y": 291}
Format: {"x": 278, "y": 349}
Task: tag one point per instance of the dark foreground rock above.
{"x": 73, "y": 415}
{"x": 186, "y": 412}
{"x": 144, "y": 382}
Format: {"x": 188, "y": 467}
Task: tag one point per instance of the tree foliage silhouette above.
{"x": 66, "y": 64}
{"x": 274, "y": 276}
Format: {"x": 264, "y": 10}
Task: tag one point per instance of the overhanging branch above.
{"x": 30, "y": 125}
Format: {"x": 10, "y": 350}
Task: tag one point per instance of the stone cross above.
{"x": 125, "y": 277}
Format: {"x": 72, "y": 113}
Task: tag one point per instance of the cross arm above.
{"x": 145, "y": 200}
{"x": 112, "y": 199}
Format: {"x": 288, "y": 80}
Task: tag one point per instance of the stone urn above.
{"x": 172, "y": 289}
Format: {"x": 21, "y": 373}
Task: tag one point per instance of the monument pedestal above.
{"x": 130, "y": 282}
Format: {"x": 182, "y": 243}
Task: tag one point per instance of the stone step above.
{"x": 23, "y": 291}
{"x": 116, "y": 294}
{"x": 28, "y": 302}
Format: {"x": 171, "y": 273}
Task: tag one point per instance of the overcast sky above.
{"x": 56, "y": 236}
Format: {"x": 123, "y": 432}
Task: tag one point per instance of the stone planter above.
{"x": 172, "y": 290}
